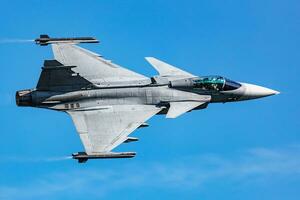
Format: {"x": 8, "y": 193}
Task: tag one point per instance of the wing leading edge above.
{"x": 92, "y": 67}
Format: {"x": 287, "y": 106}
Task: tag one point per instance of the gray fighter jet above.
{"x": 108, "y": 102}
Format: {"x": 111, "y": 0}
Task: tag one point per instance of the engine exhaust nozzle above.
{"x": 24, "y": 98}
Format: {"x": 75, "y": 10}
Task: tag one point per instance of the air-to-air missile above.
{"x": 44, "y": 40}
{"x": 82, "y": 157}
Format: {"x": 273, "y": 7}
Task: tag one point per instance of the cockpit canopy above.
{"x": 215, "y": 83}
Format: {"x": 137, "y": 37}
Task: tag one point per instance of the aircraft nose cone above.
{"x": 255, "y": 91}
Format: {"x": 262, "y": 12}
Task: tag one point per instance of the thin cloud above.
{"x": 181, "y": 174}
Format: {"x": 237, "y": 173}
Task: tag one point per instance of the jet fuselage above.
{"x": 214, "y": 90}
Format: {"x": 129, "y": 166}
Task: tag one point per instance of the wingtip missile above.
{"x": 82, "y": 157}
{"x": 44, "y": 40}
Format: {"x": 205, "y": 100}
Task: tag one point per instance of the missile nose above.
{"x": 255, "y": 91}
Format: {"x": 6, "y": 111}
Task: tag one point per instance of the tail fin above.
{"x": 57, "y": 77}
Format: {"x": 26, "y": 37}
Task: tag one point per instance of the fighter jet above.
{"x": 108, "y": 102}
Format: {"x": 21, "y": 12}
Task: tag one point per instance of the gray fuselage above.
{"x": 151, "y": 94}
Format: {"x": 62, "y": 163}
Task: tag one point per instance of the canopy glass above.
{"x": 216, "y": 83}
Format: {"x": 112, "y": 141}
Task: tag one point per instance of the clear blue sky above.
{"x": 247, "y": 150}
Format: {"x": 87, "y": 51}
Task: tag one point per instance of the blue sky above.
{"x": 245, "y": 150}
